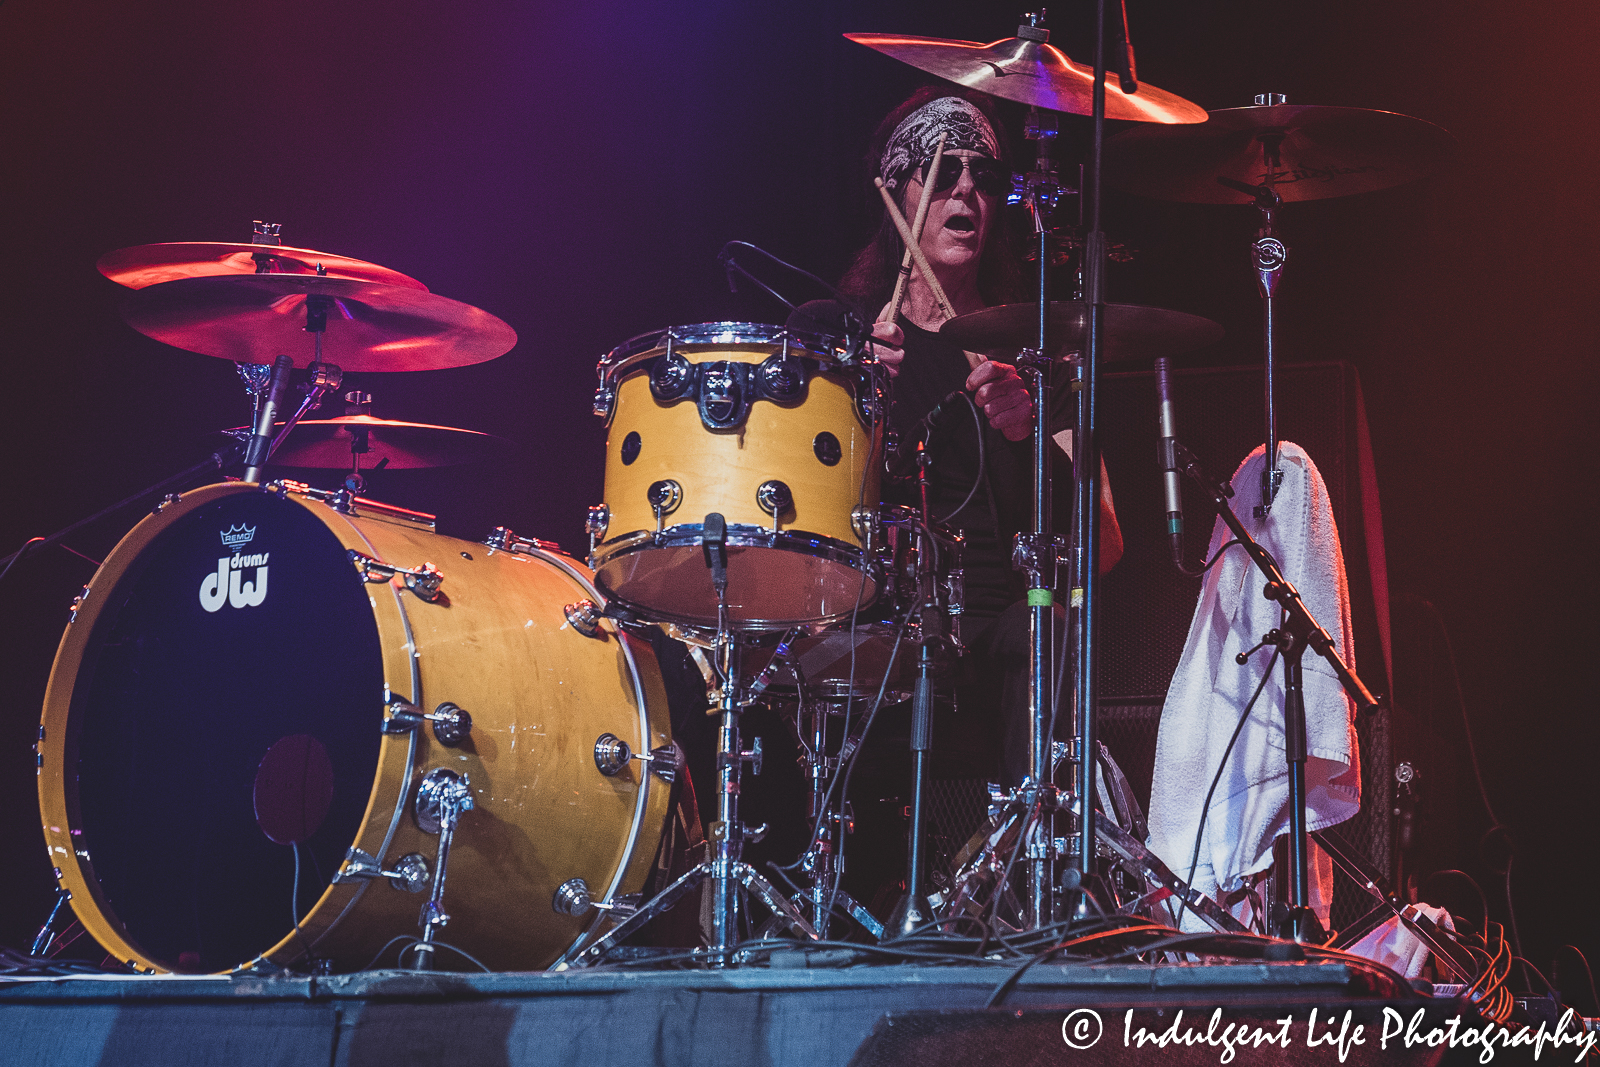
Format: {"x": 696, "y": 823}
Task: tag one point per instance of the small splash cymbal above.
{"x": 329, "y": 444}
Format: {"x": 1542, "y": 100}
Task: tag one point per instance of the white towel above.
{"x": 1209, "y": 692}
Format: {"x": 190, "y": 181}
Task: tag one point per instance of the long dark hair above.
{"x": 870, "y": 277}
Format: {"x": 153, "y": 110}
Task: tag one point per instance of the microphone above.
{"x": 260, "y": 446}
{"x": 936, "y": 412}
{"x": 731, "y": 271}
{"x": 1167, "y": 458}
{"x": 1127, "y": 76}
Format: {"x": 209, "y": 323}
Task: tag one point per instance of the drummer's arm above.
{"x": 1110, "y": 529}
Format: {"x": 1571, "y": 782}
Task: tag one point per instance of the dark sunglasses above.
{"x": 989, "y": 175}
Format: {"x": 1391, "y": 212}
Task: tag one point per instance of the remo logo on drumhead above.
{"x": 226, "y": 585}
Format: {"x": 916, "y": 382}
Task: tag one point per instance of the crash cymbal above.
{"x": 1322, "y": 152}
{"x": 146, "y": 265}
{"x": 252, "y": 318}
{"x": 1133, "y": 331}
{"x": 325, "y": 443}
{"x": 1030, "y": 72}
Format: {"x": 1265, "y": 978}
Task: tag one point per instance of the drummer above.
{"x": 968, "y": 244}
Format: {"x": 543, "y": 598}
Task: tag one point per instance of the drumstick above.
{"x": 892, "y": 312}
{"x": 915, "y": 248}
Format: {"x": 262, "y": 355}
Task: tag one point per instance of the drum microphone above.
{"x": 731, "y": 271}
{"x": 266, "y": 419}
{"x": 1167, "y": 457}
{"x": 936, "y": 412}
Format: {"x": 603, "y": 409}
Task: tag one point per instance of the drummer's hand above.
{"x": 998, "y": 390}
{"x": 888, "y": 342}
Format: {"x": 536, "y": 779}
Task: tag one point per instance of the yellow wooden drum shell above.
{"x": 814, "y": 570}
{"x": 495, "y": 643}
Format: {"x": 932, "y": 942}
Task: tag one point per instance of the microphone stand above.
{"x": 1298, "y": 632}
{"x": 914, "y": 911}
{"x": 221, "y": 459}
{"x": 1086, "y": 478}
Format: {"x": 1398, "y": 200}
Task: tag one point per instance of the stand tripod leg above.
{"x": 662, "y": 902}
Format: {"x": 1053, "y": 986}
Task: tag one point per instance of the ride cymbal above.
{"x": 1030, "y": 71}
{"x": 1320, "y": 152}
{"x": 1132, "y": 331}
{"x": 142, "y": 266}
{"x": 327, "y": 443}
{"x": 252, "y": 318}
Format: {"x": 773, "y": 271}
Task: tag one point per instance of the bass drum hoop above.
{"x": 394, "y": 773}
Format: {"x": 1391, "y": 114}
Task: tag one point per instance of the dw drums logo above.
{"x": 226, "y": 585}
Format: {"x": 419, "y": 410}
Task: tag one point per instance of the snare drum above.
{"x": 765, "y": 427}
{"x": 219, "y": 739}
{"x": 842, "y": 662}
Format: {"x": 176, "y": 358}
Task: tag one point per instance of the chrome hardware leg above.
{"x": 47, "y": 933}
{"x": 441, "y": 798}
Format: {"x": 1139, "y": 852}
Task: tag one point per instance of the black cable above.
{"x": 416, "y": 943}
{"x": 999, "y": 992}
{"x": 294, "y": 892}
{"x": 374, "y": 961}
{"x": 1005, "y": 879}
{"x": 1594, "y": 997}
{"x": 18, "y": 554}
{"x": 1205, "y": 807}
{"x": 1483, "y": 901}
{"x": 1461, "y": 704}
{"x": 977, "y": 425}
{"x": 843, "y": 780}
{"x": 727, "y": 259}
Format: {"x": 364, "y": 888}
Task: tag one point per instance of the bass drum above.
{"x": 214, "y": 758}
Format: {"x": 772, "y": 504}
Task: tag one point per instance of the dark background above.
{"x": 574, "y": 168}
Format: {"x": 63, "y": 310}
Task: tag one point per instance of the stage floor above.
{"x": 767, "y": 1015}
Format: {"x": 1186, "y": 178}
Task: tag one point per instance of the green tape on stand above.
{"x": 1040, "y": 598}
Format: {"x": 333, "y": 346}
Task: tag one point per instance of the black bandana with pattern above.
{"x": 913, "y": 141}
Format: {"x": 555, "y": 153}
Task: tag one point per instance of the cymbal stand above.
{"x": 268, "y": 387}
{"x": 1268, "y": 254}
{"x": 724, "y": 867}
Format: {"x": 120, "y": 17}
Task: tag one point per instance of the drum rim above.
{"x": 98, "y": 916}
{"x": 817, "y": 345}
{"x": 740, "y": 535}
{"x": 74, "y": 871}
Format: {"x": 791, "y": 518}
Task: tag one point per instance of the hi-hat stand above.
{"x": 823, "y": 861}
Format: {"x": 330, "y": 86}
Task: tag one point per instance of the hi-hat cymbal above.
{"x": 326, "y": 444}
{"x": 252, "y": 318}
{"x": 1132, "y": 331}
{"x": 1030, "y": 72}
{"x": 1322, "y": 152}
{"x": 145, "y": 265}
